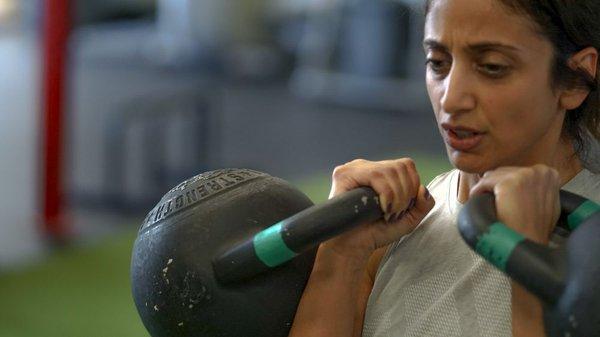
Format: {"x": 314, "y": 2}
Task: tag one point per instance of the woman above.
{"x": 513, "y": 84}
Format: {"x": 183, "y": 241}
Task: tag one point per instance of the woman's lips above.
{"x": 467, "y": 140}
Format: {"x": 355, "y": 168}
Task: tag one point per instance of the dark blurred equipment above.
{"x": 155, "y": 79}
{"x": 126, "y": 106}
{"x": 94, "y": 11}
{"x": 564, "y": 278}
{"x": 363, "y": 54}
{"x": 235, "y": 59}
{"x": 160, "y": 139}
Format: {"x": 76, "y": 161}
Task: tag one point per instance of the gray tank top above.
{"x": 431, "y": 284}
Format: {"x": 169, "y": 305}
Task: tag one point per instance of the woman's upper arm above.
{"x": 365, "y": 289}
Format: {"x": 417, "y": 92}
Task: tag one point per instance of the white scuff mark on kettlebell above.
{"x": 191, "y": 306}
{"x": 376, "y": 198}
{"x": 165, "y": 270}
{"x": 169, "y": 262}
{"x": 364, "y": 199}
{"x": 180, "y": 324}
{"x": 156, "y": 308}
{"x": 573, "y": 321}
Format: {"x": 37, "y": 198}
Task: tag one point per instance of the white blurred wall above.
{"x": 19, "y": 74}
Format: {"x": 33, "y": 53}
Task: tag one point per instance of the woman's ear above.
{"x": 587, "y": 60}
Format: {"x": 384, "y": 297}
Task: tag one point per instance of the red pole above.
{"x": 55, "y": 35}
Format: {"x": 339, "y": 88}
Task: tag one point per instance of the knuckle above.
{"x": 358, "y": 161}
{"x": 377, "y": 173}
{"x": 401, "y": 167}
{"x": 527, "y": 173}
{"x": 390, "y": 171}
{"x": 511, "y": 181}
{"x": 542, "y": 170}
{"x": 552, "y": 173}
{"x": 409, "y": 163}
{"x": 340, "y": 171}
{"x": 521, "y": 179}
{"x": 386, "y": 191}
{"x": 555, "y": 176}
{"x": 532, "y": 170}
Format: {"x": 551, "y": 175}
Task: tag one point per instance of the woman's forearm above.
{"x": 527, "y": 313}
{"x": 330, "y": 301}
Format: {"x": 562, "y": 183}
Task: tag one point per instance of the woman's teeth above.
{"x": 464, "y": 134}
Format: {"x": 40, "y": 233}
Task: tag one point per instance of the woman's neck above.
{"x": 564, "y": 160}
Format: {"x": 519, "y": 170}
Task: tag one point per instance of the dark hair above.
{"x": 570, "y": 25}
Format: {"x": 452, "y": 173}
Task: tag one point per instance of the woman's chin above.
{"x": 469, "y": 163}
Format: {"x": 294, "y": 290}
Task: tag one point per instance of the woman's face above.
{"x": 488, "y": 78}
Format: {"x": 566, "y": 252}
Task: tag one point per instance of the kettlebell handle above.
{"x": 303, "y": 231}
{"x": 538, "y": 268}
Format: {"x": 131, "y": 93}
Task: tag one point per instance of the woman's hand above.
{"x": 527, "y": 198}
{"x": 403, "y": 200}
{"x": 527, "y": 201}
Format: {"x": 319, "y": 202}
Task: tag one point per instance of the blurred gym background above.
{"x": 106, "y": 104}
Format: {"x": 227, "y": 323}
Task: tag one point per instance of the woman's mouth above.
{"x": 462, "y": 139}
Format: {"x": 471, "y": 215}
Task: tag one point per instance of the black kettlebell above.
{"x": 566, "y": 278}
{"x": 197, "y": 260}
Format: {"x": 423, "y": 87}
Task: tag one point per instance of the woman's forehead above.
{"x": 455, "y": 23}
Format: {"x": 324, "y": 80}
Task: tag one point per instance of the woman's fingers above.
{"x": 402, "y": 199}
{"x": 423, "y": 204}
{"x": 526, "y": 198}
{"x": 396, "y": 182}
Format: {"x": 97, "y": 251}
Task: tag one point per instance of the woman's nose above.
{"x": 458, "y": 93}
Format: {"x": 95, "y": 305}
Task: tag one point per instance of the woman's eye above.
{"x": 492, "y": 69}
{"x": 437, "y": 66}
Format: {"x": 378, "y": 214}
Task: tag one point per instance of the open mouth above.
{"x": 462, "y": 138}
{"x": 462, "y": 134}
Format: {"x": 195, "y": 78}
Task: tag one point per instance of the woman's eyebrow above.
{"x": 472, "y": 48}
{"x": 485, "y": 46}
{"x": 435, "y": 45}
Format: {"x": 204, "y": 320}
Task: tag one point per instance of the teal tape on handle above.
{"x": 497, "y": 244}
{"x": 270, "y": 247}
{"x": 582, "y": 212}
